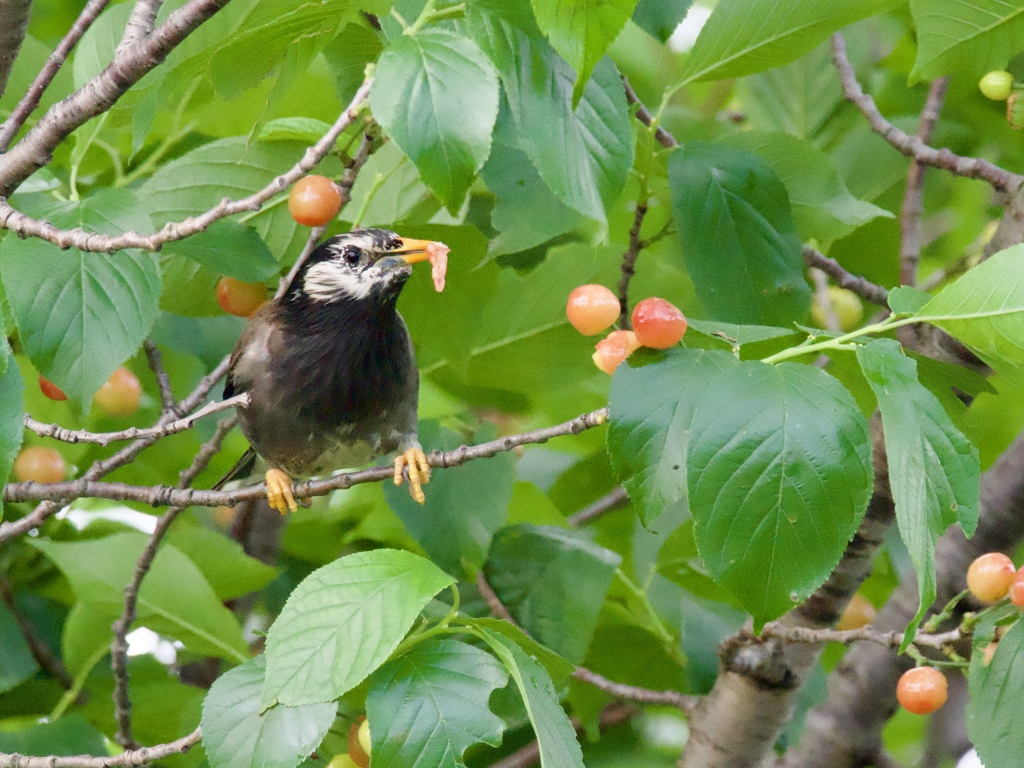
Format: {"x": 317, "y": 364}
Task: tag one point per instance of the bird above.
{"x": 330, "y": 368}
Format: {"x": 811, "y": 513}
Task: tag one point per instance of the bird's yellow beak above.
{"x": 417, "y": 250}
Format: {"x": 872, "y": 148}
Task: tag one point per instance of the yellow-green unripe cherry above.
{"x": 364, "y": 736}
{"x": 847, "y": 307}
{"x": 996, "y": 85}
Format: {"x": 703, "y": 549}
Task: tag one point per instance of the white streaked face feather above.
{"x": 336, "y": 279}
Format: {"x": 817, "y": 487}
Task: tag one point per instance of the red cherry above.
{"x": 39, "y": 465}
{"x": 921, "y": 690}
{"x": 50, "y": 389}
{"x": 314, "y": 201}
{"x": 990, "y": 576}
{"x": 120, "y": 394}
{"x": 658, "y": 323}
{"x": 238, "y": 298}
{"x": 613, "y": 349}
{"x": 592, "y": 309}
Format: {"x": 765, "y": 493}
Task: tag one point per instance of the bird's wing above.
{"x": 243, "y": 468}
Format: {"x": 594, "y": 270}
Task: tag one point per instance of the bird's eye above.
{"x": 352, "y": 256}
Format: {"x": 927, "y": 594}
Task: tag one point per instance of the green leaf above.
{"x": 526, "y": 213}
{"x": 583, "y": 155}
{"x": 553, "y": 582}
{"x": 431, "y": 704}
{"x": 581, "y": 31}
{"x": 347, "y": 56}
{"x": 16, "y": 661}
{"x": 235, "y": 168}
{"x": 68, "y": 736}
{"x": 905, "y": 300}
{"x": 823, "y": 207}
{"x": 933, "y": 469}
{"x": 436, "y": 95}
{"x": 737, "y": 335}
{"x": 248, "y": 56}
{"x": 985, "y": 310}
{"x": 94, "y": 51}
{"x": 305, "y": 129}
{"x": 660, "y": 17}
{"x": 236, "y": 734}
{"x": 747, "y": 36}
{"x": 736, "y": 225}
{"x": 993, "y": 710}
{"x": 557, "y": 667}
{"x": 679, "y": 562}
{"x": 175, "y": 599}
{"x": 343, "y": 621}
{"x": 81, "y": 315}
{"x": 969, "y": 38}
{"x": 556, "y": 739}
{"x": 393, "y": 186}
{"x": 650, "y": 411}
{"x": 464, "y": 507}
{"x": 227, "y": 568}
{"x": 779, "y": 476}
{"x": 228, "y": 248}
{"x": 12, "y": 413}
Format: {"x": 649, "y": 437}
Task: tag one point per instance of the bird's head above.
{"x": 362, "y": 265}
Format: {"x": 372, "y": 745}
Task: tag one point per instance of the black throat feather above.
{"x": 352, "y": 357}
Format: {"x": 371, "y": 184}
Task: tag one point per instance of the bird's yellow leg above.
{"x": 415, "y": 460}
{"x": 279, "y": 491}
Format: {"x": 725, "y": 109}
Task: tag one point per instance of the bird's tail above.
{"x": 243, "y": 468}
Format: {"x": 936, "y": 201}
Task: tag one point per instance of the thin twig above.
{"x": 25, "y": 226}
{"x": 629, "y": 262}
{"x": 849, "y": 636}
{"x": 868, "y": 291}
{"x": 134, "y": 433}
{"x": 119, "y": 645}
{"x": 49, "y": 71}
{"x": 163, "y": 381}
{"x": 631, "y": 692}
{"x": 129, "y": 759}
{"x": 664, "y": 138}
{"x": 912, "y": 146}
{"x": 39, "y": 650}
{"x": 162, "y": 495}
{"x": 913, "y": 198}
{"x": 614, "y": 499}
{"x": 124, "y": 456}
{"x": 524, "y": 757}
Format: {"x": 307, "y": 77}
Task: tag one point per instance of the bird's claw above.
{"x": 415, "y": 461}
{"x": 279, "y": 491}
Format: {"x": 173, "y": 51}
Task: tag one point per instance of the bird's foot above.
{"x": 279, "y": 491}
{"x": 415, "y": 460}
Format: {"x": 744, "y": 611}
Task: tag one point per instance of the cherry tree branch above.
{"x": 119, "y": 645}
{"x": 629, "y": 261}
{"x": 53, "y": 64}
{"x": 893, "y": 639}
{"x": 140, "y": 23}
{"x": 25, "y": 226}
{"x": 161, "y": 495}
{"x": 101, "y": 93}
{"x": 913, "y": 146}
{"x": 134, "y": 433}
{"x": 847, "y": 727}
{"x": 130, "y": 759}
{"x": 104, "y": 466}
{"x": 163, "y": 381}
{"x": 663, "y": 137}
{"x": 14, "y": 16}
{"x": 867, "y": 290}
{"x": 614, "y": 499}
{"x": 913, "y": 197}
